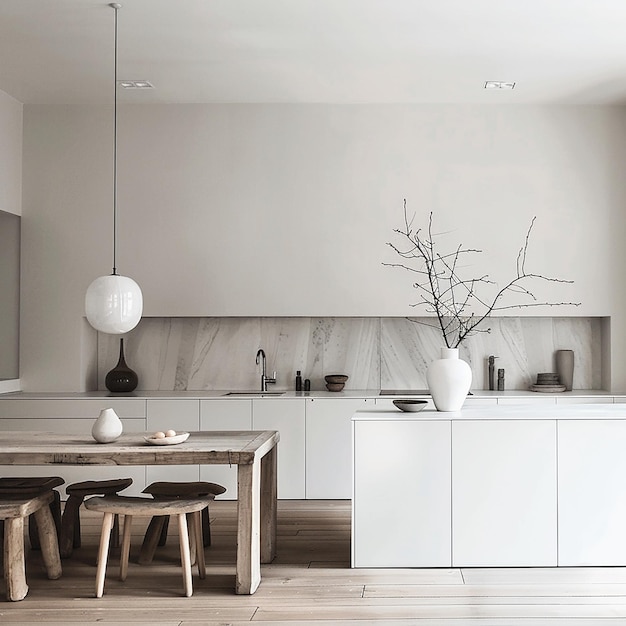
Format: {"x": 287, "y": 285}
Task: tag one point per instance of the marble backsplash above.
{"x": 377, "y": 353}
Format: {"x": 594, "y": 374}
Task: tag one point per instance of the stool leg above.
{"x": 107, "y": 523}
{"x": 128, "y": 522}
{"x": 196, "y": 521}
{"x": 151, "y": 539}
{"x": 14, "y": 568}
{"x": 185, "y": 557}
{"x": 206, "y": 528}
{"x": 163, "y": 537}
{"x": 115, "y": 532}
{"x": 193, "y": 548}
{"x": 55, "y": 510}
{"x": 49, "y": 543}
{"x": 70, "y": 526}
{"x": 33, "y": 534}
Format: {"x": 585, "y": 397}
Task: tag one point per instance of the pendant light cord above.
{"x": 115, "y": 6}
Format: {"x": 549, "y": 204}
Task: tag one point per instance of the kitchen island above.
{"x": 490, "y": 486}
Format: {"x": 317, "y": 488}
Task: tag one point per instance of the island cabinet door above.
{"x": 224, "y": 414}
{"x": 401, "y": 499}
{"x": 286, "y": 415}
{"x": 592, "y": 492}
{"x": 329, "y": 446}
{"x": 504, "y": 500}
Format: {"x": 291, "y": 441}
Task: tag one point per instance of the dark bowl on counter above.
{"x": 410, "y": 406}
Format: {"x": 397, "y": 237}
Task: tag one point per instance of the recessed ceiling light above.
{"x": 135, "y": 84}
{"x": 499, "y": 84}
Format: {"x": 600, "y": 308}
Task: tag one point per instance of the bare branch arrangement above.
{"x": 453, "y": 298}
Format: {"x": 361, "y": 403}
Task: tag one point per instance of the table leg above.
{"x": 248, "y": 574}
{"x": 269, "y": 494}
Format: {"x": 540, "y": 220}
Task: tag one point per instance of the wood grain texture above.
{"x": 204, "y": 447}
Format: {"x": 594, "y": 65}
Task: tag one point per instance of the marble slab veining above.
{"x": 187, "y": 354}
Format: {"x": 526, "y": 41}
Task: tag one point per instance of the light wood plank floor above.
{"x": 311, "y": 582}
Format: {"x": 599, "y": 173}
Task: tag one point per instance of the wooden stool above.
{"x": 28, "y": 487}
{"x": 70, "y": 522}
{"x": 13, "y": 511}
{"x": 156, "y": 534}
{"x": 130, "y": 506}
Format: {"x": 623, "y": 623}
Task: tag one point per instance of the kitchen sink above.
{"x": 254, "y": 393}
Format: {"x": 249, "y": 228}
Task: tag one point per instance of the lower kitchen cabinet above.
{"x": 504, "y": 493}
{"x": 285, "y": 415}
{"x": 230, "y": 414}
{"x": 329, "y": 446}
{"x": 592, "y": 493}
{"x": 401, "y": 505}
{"x": 181, "y": 416}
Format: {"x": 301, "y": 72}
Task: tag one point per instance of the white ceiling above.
{"x": 343, "y": 51}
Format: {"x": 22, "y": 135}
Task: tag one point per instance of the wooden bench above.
{"x": 156, "y": 534}
{"x": 70, "y": 522}
{"x": 131, "y": 506}
{"x": 13, "y": 511}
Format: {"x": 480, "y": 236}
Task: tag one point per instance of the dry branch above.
{"x": 452, "y": 298}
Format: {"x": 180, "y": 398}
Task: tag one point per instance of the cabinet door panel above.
{"x": 329, "y": 446}
{"x": 286, "y": 415}
{"x": 401, "y": 502}
{"x": 592, "y": 498}
{"x": 224, "y": 414}
{"x": 504, "y": 493}
{"x": 181, "y": 416}
{"x": 69, "y": 408}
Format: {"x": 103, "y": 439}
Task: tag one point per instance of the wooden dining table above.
{"x": 253, "y": 452}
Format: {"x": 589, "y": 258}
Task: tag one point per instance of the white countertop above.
{"x": 508, "y": 412}
{"x": 347, "y": 393}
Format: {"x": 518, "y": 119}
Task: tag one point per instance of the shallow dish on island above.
{"x": 411, "y": 406}
{"x": 167, "y": 441}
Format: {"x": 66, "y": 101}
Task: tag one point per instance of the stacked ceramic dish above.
{"x": 335, "y": 382}
{"x": 548, "y": 382}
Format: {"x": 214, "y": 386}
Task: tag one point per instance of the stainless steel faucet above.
{"x": 260, "y": 357}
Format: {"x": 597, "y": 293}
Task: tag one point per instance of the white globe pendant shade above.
{"x": 113, "y": 304}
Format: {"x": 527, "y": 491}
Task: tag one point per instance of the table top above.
{"x": 203, "y": 447}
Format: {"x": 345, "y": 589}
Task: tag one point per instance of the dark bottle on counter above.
{"x": 307, "y": 385}
{"x": 298, "y": 381}
{"x": 500, "y": 380}
{"x": 492, "y": 382}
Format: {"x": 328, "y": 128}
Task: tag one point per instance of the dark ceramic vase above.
{"x": 121, "y": 378}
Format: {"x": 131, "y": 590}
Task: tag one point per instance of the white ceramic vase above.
{"x": 108, "y": 427}
{"x": 449, "y": 379}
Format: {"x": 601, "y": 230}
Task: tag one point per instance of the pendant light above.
{"x": 114, "y": 303}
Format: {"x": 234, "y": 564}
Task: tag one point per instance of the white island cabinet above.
{"x": 504, "y": 493}
{"x": 529, "y": 485}
{"x": 401, "y": 501}
{"x": 329, "y": 446}
{"x": 592, "y": 492}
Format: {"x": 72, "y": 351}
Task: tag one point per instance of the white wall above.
{"x": 284, "y": 210}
